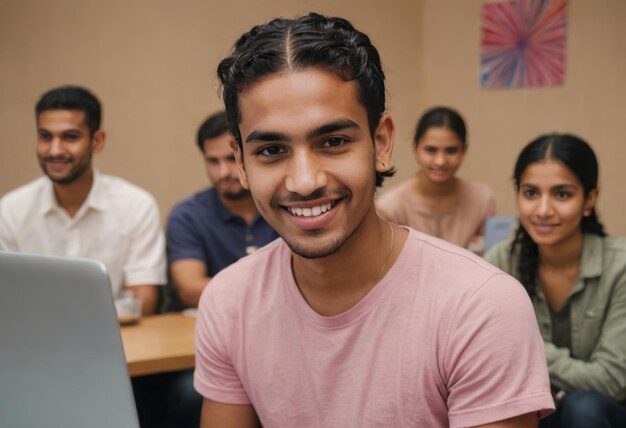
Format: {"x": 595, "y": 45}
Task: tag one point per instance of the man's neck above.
{"x": 333, "y": 284}
{"x": 71, "y": 196}
{"x": 243, "y": 208}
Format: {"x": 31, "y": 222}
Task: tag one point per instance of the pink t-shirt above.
{"x": 444, "y": 339}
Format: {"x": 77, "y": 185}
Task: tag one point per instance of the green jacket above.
{"x": 597, "y": 358}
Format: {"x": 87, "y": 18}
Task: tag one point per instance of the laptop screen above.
{"x": 61, "y": 357}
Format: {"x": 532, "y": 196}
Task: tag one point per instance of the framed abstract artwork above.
{"x": 523, "y": 43}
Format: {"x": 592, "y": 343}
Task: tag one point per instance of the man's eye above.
{"x": 44, "y": 137}
{"x": 529, "y": 193}
{"x": 271, "y": 151}
{"x": 334, "y": 142}
{"x": 71, "y": 137}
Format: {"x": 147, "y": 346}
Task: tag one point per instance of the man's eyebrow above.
{"x": 65, "y": 131}
{"x": 265, "y": 136}
{"x": 331, "y": 127}
{"x": 328, "y": 128}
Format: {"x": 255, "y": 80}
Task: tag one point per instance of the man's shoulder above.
{"x": 460, "y": 282}
{"x": 200, "y": 200}
{"x": 250, "y": 272}
{"x": 446, "y": 254}
{"x": 117, "y": 188}
{"x": 197, "y": 211}
{"x": 452, "y": 270}
{"x": 500, "y": 254}
{"x": 253, "y": 265}
{"x": 26, "y": 194}
{"x": 27, "y": 190}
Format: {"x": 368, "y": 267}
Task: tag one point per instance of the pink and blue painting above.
{"x": 523, "y": 43}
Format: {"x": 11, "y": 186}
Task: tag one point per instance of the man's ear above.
{"x": 241, "y": 170}
{"x": 383, "y": 143}
{"x": 97, "y": 141}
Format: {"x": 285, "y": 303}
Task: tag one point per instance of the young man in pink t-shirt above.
{"x": 349, "y": 321}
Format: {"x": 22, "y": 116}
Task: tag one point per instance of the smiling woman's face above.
{"x": 552, "y": 202}
{"x": 439, "y": 153}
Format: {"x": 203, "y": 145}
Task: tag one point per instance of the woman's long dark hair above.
{"x": 579, "y": 158}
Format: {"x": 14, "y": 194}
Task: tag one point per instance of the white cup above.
{"x": 128, "y": 307}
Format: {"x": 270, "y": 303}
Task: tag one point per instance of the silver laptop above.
{"x": 61, "y": 357}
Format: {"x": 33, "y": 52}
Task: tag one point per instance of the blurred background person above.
{"x": 215, "y": 227}
{"x": 436, "y": 201}
{"x": 74, "y": 211}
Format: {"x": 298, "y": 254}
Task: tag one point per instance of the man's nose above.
{"x": 306, "y": 173}
{"x": 224, "y": 170}
{"x": 56, "y": 147}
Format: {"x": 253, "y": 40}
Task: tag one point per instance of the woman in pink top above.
{"x": 436, "y": 201}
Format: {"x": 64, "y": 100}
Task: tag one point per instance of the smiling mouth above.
{"x": 311, "y": 211}
{"x": 544, "y": 226}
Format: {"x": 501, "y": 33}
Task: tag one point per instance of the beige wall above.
{"x": 152, "y": 63}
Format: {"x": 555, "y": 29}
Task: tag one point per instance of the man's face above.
{"x": 222, "y": 168}
{"x": 64, "y": 145}
{"x": 308, "y": 158}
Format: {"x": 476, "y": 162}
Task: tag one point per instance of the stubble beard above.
{"x": 236, "y": 196}
{"x": 328, "y": 249}
{"x": 308, "y": 253}
{"x": 72, "y": 176}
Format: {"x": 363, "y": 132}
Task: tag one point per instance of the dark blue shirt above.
{"x": 202, "y": 228}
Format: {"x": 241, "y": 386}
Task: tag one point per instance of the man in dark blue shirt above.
{"x": 205, "y": 233}
{"x": 216, "y": 227}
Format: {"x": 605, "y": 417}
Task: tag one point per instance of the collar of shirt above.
{"x": 591, "y": 257}
{"x": 95, "y": 199}
{"x": 590, "y": 262}
{"x": 225, "y": 214}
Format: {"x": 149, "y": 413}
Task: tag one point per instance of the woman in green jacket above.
{"x": 576, "y": 277}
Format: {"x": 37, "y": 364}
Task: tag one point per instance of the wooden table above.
{"x": 159, "y": 343}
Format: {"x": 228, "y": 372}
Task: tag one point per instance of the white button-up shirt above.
{"x": 118, "y": 224}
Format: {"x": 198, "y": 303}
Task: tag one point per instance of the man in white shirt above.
{"x": 75, "y": 211}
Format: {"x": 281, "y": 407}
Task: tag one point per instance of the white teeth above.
{"x": 311, "y": 212}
